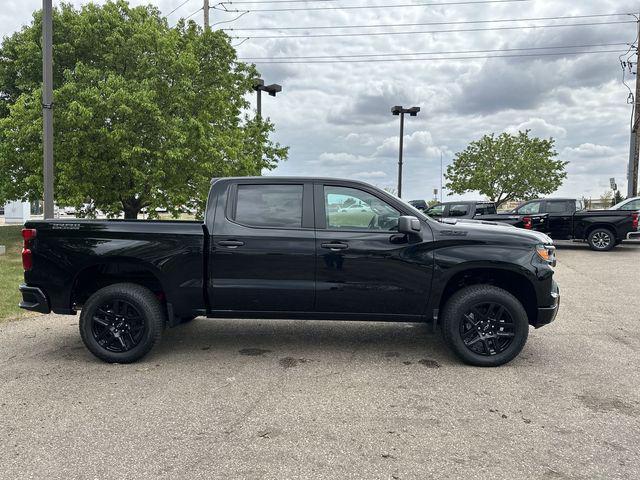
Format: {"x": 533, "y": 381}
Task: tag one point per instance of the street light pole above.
{"x": 399, "y": 110}
{"x": 47, "y": 105}
{"x": 259, "y": 87}
{"x": 259, "y": 93}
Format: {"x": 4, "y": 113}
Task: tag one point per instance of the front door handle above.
{"x": 335, "y": 246}
{"x": 230, "y": 243}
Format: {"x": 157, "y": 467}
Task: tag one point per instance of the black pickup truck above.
{"x": 296, "y": 248}
{"x": 566, "y": 219}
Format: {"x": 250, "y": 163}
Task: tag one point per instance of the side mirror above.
{"x": 408, "y": 224}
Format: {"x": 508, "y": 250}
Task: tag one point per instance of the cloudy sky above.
{"x": 336, "y": 116}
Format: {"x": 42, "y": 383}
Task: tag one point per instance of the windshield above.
{"x": 628, "y": 204}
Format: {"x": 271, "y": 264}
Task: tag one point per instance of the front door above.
{"x": 363, "y": 265}
{"x": 263, "y": 249}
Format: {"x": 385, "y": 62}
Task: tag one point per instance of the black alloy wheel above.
{"x": 487, "y": 329}
{"x": 122, "y": 322}
{"x": 117, "y": 326}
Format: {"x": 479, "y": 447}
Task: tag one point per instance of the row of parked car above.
{"x": 560, "y": 218}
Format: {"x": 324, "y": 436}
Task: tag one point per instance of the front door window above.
{"x": 353, "y": 209}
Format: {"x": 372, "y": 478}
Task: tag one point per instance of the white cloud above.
{"x": 539, "y": 127}
{"x": 370, "y": 175}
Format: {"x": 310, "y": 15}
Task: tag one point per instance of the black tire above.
{"x": 601, "y": 239}
{"x": 121, "y": 323}
{"x": 485, "y": 338}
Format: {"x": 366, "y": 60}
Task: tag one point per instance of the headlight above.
{"x": 547, "y": 253}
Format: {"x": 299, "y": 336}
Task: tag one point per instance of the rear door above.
{"x": 263, "y": 248}
{"x": 560, "y": 217}
{"x": 363, "y": 265}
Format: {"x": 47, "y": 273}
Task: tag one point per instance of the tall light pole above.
{"x": 399, "y": 110}
{"x": 47, "y": 105}
{"x": 259, "y": 86}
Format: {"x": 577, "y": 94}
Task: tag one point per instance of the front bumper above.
{"x": 34, "y": 299}
{"x": 548, "y": 314}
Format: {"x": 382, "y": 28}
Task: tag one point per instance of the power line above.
{"x": 272, "y": 1}
{"x": 454, "y": 52}
{"x": 466, "y": 57}
{"x": 199, "y": 10}
{"x": 365, "y": 34}
{"x": 177, "y": 8}
{"x": 369, "y": 7}
{"x": 460, "y": 22}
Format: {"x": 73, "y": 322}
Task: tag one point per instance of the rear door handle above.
{"x": 335, "y": 246}
{"x": 230, "y": 243}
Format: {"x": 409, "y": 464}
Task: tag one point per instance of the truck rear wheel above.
{"x": 121, "y": 323}
{"x": 601, "y": 240}
{"x": 484, "y": 325}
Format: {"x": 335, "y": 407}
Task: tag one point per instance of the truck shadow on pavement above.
{"x": 304, "y": 338}
{"x": 292, "y": 341}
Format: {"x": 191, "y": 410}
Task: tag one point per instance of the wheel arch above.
{"x": 109, "y": 271}
{"x": 513, "y": 281}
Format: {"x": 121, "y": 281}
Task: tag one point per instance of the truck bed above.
{"x": 69, "y": 252}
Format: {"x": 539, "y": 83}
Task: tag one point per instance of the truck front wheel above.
{"x": 484, "y": 325}
{"x": 121, "y": 323}
{"x": 601, "y": 240}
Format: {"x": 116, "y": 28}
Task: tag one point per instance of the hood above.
{"x": 480, "y": 227}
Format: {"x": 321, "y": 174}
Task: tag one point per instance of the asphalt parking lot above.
{"x": 285, "y": 399}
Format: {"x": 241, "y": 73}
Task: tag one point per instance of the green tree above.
{"x": 617, "y": 198}
{"x": 145, "y": 114}
{"x": 507, "y": 167}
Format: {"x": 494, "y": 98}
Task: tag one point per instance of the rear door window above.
{"x": 560, "y": 206}
{"x": 270, "y": 206}
{"x": 485, "y": 209}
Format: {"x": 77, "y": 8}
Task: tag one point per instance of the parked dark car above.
{"x": 462, "y": 209}
{"x": 271, "y": 248}
{"x": 419, "y": 204}
{"x": 566, "y": 219}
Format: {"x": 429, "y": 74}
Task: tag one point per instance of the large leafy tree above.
{"x": 507, "y": 167}
{"x": 145, "y": 114}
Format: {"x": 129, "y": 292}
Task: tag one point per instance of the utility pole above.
{"x": 205, "y": 9}
{"x": 634, "y": 150}
{"x": 399, "y": 110}
{"x": 47, "y": 105}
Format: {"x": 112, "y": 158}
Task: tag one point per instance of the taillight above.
{"x": 28, "y": 234}
{"x": 528, "y": 223}
{"x": 634, "y": 221}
